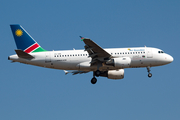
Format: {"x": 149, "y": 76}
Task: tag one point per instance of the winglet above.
{"x": 82, "y": 38}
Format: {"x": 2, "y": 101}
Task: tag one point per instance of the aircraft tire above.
{"x": 149, "y": 75}
{"x": 93, "y": 80}
{"x": 97, "y": 73}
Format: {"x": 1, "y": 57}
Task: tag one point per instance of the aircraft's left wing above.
{"x": 95, "y": 51}
{"x": 75, "y": 72}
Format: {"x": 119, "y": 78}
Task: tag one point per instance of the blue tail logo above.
{"x": 24, "y": 41}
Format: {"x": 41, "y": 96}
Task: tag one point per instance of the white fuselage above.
{"x": 80, "y": 60}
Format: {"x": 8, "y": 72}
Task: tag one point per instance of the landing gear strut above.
{"x": 149, "y": 74}
{"x": 96, "y": 73}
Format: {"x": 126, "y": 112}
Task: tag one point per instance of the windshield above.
{"x": 160, "y": 51}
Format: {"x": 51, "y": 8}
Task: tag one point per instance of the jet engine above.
{"x": 123, "y": 62}
{"x": 85, "y": 66}
{"x": 114, "y": 74}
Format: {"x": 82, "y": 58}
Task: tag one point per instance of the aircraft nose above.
{"x": 169, "y": 59}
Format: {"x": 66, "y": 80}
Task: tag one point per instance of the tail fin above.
{"x": 24, "y": 41}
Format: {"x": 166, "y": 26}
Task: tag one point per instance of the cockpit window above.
{"x": 160, "y": 51}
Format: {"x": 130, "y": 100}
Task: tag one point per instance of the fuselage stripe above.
{"x": 32, "y": 48}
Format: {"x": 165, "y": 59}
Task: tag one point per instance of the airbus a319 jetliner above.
{"x": 108, "y": 63}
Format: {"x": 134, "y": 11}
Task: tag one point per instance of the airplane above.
{"x": 109, "y": 62}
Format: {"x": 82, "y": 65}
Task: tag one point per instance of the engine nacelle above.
{"x": 85, "y": 66}
{"x": 123, "y": 62}
{"x": 115, "y": 74}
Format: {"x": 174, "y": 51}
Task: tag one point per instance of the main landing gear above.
{"x": 149, "y": 74}
{"x": 97, "y": 74}
{"x": 93, "y": 80}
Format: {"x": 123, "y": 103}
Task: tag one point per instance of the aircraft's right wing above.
{"x": 95, "y": 51}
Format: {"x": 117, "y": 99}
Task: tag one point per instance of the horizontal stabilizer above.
{"x": 23, "y": 54}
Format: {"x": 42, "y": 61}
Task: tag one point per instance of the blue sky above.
{"x": 30, "y": 92}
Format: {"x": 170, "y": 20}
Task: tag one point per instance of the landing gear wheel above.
{"x": 93, "y": 80}
{"x": 149, "y": 75}
{"x": 97, "y": 73}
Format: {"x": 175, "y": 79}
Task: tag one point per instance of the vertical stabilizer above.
{"x": 24, "y": 41}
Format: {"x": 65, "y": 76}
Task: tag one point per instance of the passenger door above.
{"x": 149, "y": 53}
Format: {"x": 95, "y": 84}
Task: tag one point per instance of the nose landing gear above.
{"x": 149, "y": 74}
